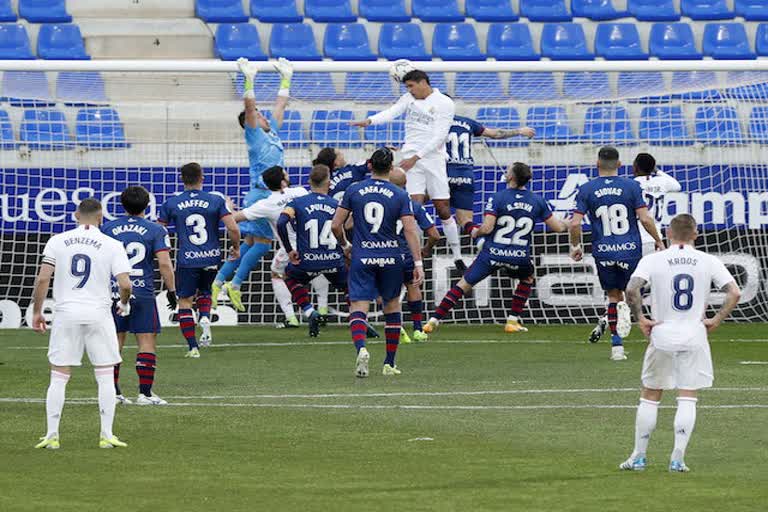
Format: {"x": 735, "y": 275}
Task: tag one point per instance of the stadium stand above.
{"x": 347, "y": 41}
{"x": 511, "y": 41}
{"x": 329, "y": 11}
{"x": 491, "y": 10}
{"x": 752, "y": 10}
{"x": 551, "y": 124}
{"x": 26, "y": 89}
{"x": 608, "y": 125}
{"x": 7, "y": 140}
{"x": 761, "y": 40}
{"x": 501, "y": 117}
{"x": 99, "y": 128}
{"x": 706, "y": 9}
{"x": 220, "y": 11}
{"x": 664, "y": 125}
{"x": 275, "y": 11}
{"x": 369, "y": 87}
{"x": 596, "y": 10}
{"x": 402, "y": 41}
{"x": 292, "y": 130}
{"x": 564, "y": 41}
{"x": 758, "y": 125}
{"x": 437, "y": 11}
{"x": 333, "y": 127}
{"x": 718, "y": 126}
{"x": 44, "y": 11}
{"x": 586, "y": 85}
{"x": 726, "y": 41}
{"x": 235, "y": 40}
{"x": 61, "y": 42}
{"x": 653, "y": 10}
{"x": 7, "y": 13}
{"x": 383, "y": 10}
{"x": 520, "y": 86}
{"x": 619, "y": 41}
{"x": 673, "y": 41}
{"x": 695, "y": 79}
{"x": 294, "y": 41}
{"x": 646, "y": 86}
{"x": 456, "y": 42}
{"x": 14, "y": 42}
{"x": 390, "y": 133}
{"x": 79, "y": 89}
{"x": 544, "y": 10}
{"x": 45, "y": 129}
{"x": 314, "y": 86}
{"x": 466, "y": 87}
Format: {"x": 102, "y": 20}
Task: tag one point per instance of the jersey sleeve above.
{"x": 346, "y": 200}
{"x": 120, "y": 264}
{"x": 720, "y": 274}
{"x": 545, "y": 211}
{"x": 161, "y": 242}
{"x": 405, "y": 205}
{"x": 49, "y": 252}
{"x": 164, "y": 215}
{"x": 490, "y": 206}
{"x": 476, "y": 128}
{"x": 223, "y": 209}
{"x": 258, "y": 210}
{"x": 423, "y": 218}
{"x": 643, "y": 270}
{"x": 581, "y": 202}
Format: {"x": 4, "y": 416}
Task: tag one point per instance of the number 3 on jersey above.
{"x": 506, "y": 225}
{"x": 199, "y": 234}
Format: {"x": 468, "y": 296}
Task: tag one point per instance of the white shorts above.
{"x": 69, "y": 340}
{"x": 279, "y": 262}
{"x": 430, "y": 177}
{"x": 689, "y": 369}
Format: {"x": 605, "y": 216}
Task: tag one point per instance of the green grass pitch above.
{"x": 268, "y": 420}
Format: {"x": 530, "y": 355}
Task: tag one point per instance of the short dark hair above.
{"x": 608, "y": 155}
{"x": 416, "y": 75}
{"x": 327, "y": 157}
{"x": 135, "y": 199}
{"x": 89, "y": 206}
{"x": 191, "y": 173}
{"x": 381, "y": 160}
{"x": 522, "y": 173}
{"x": 273, "y": 177}
{"x": 644, "y": 164}
{"x": 241, "y": 119}
{"x": 682, "y": 227}
{"x": 319, "y": 174}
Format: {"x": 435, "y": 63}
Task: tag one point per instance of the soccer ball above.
{"x": 399, "y": 69}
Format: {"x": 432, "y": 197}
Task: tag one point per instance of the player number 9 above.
{"x": 374, "y": 215}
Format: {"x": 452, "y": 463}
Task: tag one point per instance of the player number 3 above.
{"x": 199, "y": 234}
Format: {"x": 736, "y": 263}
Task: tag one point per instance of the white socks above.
{"x": 321, "y": 286}
{"x": 645, "y": 423}
{"x": 283, "y": 296}
{"x": 54, "y": 401}
{"x": 451, "y": 230}
{"x": 685, "y": 419}
{"x": 105, "y": 382}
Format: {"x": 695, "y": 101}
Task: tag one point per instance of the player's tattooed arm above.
{"x": 503, "y": 133}
{"x": 635, "y": 300}
{"x": 42, "y": 282}
{"x": 732, "y": 297}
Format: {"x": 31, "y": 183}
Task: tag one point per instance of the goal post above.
{"x": 73, "y": 129}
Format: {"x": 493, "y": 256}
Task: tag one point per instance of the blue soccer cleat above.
{"x": 634, "y": 464}
{"x": 678, "y": 466}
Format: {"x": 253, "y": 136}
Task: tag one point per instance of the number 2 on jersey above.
{"x": 199, "y": 234}
{"x": 81, "y": 269}
{"x": 682, "y": 285}
{"x": 318, "y": 236}
{"x": 136, "y": 253}
{"x": 506, "y": 225}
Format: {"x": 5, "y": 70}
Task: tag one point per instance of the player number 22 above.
{"x": 615, "y": 219}
{"x": 199, "y": 234}
{"x": 506, "y": 224}
{"x": 374, "y": 215}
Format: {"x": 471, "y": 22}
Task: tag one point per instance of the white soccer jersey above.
{"x": 85, "y": 259}
{"x": 680, "y": 279}
{"x": 271, "y": 207}
{"x": 427, "y": 123}
{"x": 655, "y": 187}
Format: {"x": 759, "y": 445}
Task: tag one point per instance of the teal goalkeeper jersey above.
{"x": 265, "y": 150}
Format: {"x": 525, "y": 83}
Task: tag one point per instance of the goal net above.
{"x": 73, "y": 130}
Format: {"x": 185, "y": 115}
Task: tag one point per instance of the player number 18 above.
{"x": 615, "y": 219}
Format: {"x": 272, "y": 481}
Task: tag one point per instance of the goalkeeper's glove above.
{"x": 172, "y": 302}
{"x": 249, "y": 70}
{"x": 285, "y": 68}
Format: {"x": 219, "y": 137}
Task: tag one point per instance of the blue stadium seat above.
{"x": 275, "y": 11}
{"x": 329, "y": 11}
{"x": 758, "y": 125}
{"x": 586, "y": 85}
{"x": 347, "y": 41}
{"x": 511, "y": 41}
{"x": 7, "y": 140}
{"x": 718, "y": 126}
{"x": 564, "y": 41}
{"x": 608, "y": 125}
{"x": 437, "y": 11}
{"x": 100, "y": 128}
{"x": 502, "y": 117}
{"x": 663, "y": 125}
{"x": 26, "y": 89}
{"x": 14, "y": 42}
{"x": 761, "y": 40}
{"x": 220, "y": 11}
{"x": 388, "y": 11}
{"x": 402, "y": 41}
{"x": 313, "y": 86}
{"x": 6, "y": 14}
{"x": 544, "y": 10}
{"x": 532, "y": 86}
{"x": 619, "y": 41}
{"x": 646, "y": 86}
{"x": 61, "y": 42}
{"x": 478, "y": 87}
{"x": 294, "y": 41}
{"x": 389, "y": 134}
{"x": 376, "y": 87}
{"x": 456, "y": 41}
{"x": 706, "y": 9}
{"x": 653, "y": 10}
{"x": 752, "y": 10}
{"x": 490, "y": 10}
{"x": 80, "y": 89}
{"x": 235, "y": 40}
{"x": 698, "y": 82}
{"x": 726, "y": 41}
{"x": 754, "y": 88}
{"x": 292, "y": 131}
{"x": 45, "y": 130}
{"x": 44, "y": 11}
{"x": 596, "y": 10}
{"x": 332, "y": 128}
{"x": 673, "y": 41}
{"x": 551, "y": 125}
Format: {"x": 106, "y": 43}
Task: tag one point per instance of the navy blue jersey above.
{"x": 343, "y": 177}
{"x": 424, "y": 221}
{"x": 516, "y": 211}
{"x": 196, "y": 215}
{"x": 315, "y": 243}
{"x": 459, "y": 142}
{"x": 376, "y": 206}
{"x": 142, "y": 239}
{"x": 611, "y": 203}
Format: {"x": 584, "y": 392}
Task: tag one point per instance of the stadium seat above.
{"x": 695, "y": 80}
{"x": 596, "y": 10}
{"x": 511, "y": 41}
{"x": 619, "y": 41}
{"x": 275, "y": 11}
{"x": 220, "y": 11}
{"x": 313, "y": 86}
{"x": 673, "y": 41}
{"x": 532, "y": 86}
{"x": 45, "y": 130}
{"x": 332, "y": 128}
{"x": 292, "y": 131}
{"x": 402, "y": 41}
{"x": 761, "y": 40}
{"x": 706, "y": 9}
{"x": 726, "y": 41}
{"x": 586, "y": 85}
{"x": 6, "y": 14}
{"x": 752, "y": 10}
{"x": 663, "y": 125}
{"x": 544, "y": 10}
{"x": 99, "y": 128}
{"x": 44, "y": 11}
{"x": 372, "y": 87}
{"x": 551, "y": 124}
{"x": 456, "y": 41}
{"x": 718, "y": 126}
{"x": 237, "y": 40}
{"x": 758, "y": 125}
{"x": 385, "y": 134}
{"x": 80, "y": 89}
{"x": 564, "y": 41}
{"x": 754, "y": 86}
{"x": 294, "y": 41}
{"x": 391, "y": 11}
{"x": 501, "y": 117}
{"x": 645, "y": 86}
{"x": 653, "y": 10}
{"x": 608, "y": 125}
{"x": 7, "y": 140}
{"x": 490, "y": 10}
{"x": 437, "y": 11}
{"x": 26, "y": 89}
{"x": 61, "y": 42}
{"x": 329, "y": 11}
{"x": 14, "y": 42}
{"x": 478, "y": 87}
{"x": 347, "y": 41}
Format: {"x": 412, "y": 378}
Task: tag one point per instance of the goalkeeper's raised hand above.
{"x": 249, "y": 70}
{"x": 285, "y": 68}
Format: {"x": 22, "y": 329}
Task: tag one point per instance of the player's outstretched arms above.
{"x": 732, "y": 297}
{"x": 650, "y": 226}
{"x": 42, "y": 282}
{"x": 635, "y": 300}
{"x": 234, "y": 236}
{"x": 433, "y": 237}
{"x": 124, "y": 288}
{"x": 249, "y": 70}
{"x": 574, "y": 230}
{"x": 166, "y": 272}
{"x": 411, "y": 231}
{"x": 503, "y": 133}
{"x": 556, "y": 225}
{"x": 385, "y": 116}
{"x": 285, "y": 68}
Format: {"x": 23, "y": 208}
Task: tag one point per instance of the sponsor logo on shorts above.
{"x": 378, "y": 261}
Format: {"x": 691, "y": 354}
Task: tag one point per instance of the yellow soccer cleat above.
{"x": 215, "y": 291}
{"x": 390, "y": 370}
{"x": 193, "y": 353}
{"x": 514, "y": 325}
{"x": 404, "y": 338}
{"x": 234, "y": 296}
{"x": 420, "y": 336}
{"x": 112, "y": 442}
{"x": 431, "y": 325}
{"x": 51, "y": 443}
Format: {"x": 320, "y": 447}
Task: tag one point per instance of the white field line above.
{"x": 754, "y": 362}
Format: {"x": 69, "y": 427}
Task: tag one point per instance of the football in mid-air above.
{"x": 400, "y": 68}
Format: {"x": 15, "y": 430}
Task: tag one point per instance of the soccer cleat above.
{"x": 152, "y": 399}
{"x": 235, "y": 296}
{"x": 193, "y": 353}
{"x": 617, "y": 353}
{"x": 678, "y": 466}
{"x": 370, "y": 332}
{"x": 291, "y": 323}
{"x": 122, "y": 400}
{"x": 599, "y": 330}
{"x": 206, "y": 338}
{"x": 420, "y": 336}
{"x": 51, "y": 443}
{"x": 314, "y": 324}
{"x": 404, "y": 338}
{"x": 361, "y": 364}
{"x": 323, "y": 316}
{"x": 461, "y": 267}
{"x": 215, "y": 291}
{"x": 112, "y": 442}
{"x": 633, "y": 464}
{"x": 390, "y": 370}
{"x": 514, "y": 325}
{"x": 623, "y": 320}
{"x": 431, "y": 325}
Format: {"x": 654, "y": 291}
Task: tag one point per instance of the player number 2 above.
{"x": 506, "y": 225}
{"x": 682, "y": 285}
{"x": 320, "y": 236}
{"x": 615, "y": 219}
{"x": 199, "y": 234}
{"x": 374, "y": 215}
{"x": 136, "y": 253}
{"x": 81, "y": 269}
